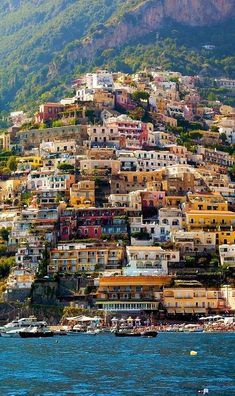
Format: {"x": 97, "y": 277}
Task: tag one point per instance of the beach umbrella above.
{"x": 137, "y": 321}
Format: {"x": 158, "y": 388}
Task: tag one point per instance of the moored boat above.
{"x": 126, "y": 334}
{"x": 11, "y": 333}
{"x": 149, "y": 333}
{"x": 60, "y": 332}
{"x": 36, "y": 332}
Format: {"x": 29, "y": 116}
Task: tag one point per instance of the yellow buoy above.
{"x": 193, "y": 353}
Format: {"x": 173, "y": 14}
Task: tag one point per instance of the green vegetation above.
{"x": 142, "y": 236}
{"x": 40, "y": 39}
{"x": 5, "y": 266}
{"x": 66, "y": 167}
{"x": 42, "y": 268}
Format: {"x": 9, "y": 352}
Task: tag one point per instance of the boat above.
{"x": 93, "y": 331}
{"x": 73, "y": 333}
{"x": 149, "y": 333}
{"x": 19, "y": 324}
{"x": 12, "y": 333}
{"x": 126, "y": 334}
{"x": 192, "y": 328}
{"x": 36, "y": 332}
{"x": 60, "y": 332}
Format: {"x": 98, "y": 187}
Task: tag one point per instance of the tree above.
{"x": 196, "y": 135}
{"x": 4, "y": 234}
{"x": 140, "y": 95}
{"x": 12, "y": 163}
{"x": 66, "y": 167}
{"x": 5, "y": 266}
{"x": 211, "y": 97}
{"x": 232, "y": 172}
{"x": 137, "y": 114}
{"x": 223, "y": 137}
{"x": 190, "y": 261}
{"x": 56, "y": 124}
{"x": 43, "y": 264}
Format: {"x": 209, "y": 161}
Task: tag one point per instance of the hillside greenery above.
{"x": 37, "y": 37}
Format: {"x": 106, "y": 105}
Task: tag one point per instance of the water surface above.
{"x": 87, "y": 365}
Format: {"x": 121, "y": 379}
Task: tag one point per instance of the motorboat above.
{"x": 36, "y": 332}
{"x": 149, "y": 334}
{"x": 22, "y": 323}
{"x": 12, "y": 333}
{"x": 192, "y": 328}
{"x": 13, "y": 328}
{"x": 60, "y": 332}
{"x": 121, "y": 333}
{"x": 93, "y": 331}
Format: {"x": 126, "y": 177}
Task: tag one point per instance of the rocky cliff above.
{"x": 147, "y": 17}
{"x": 46, "y": 43}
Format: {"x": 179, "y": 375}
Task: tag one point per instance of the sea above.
{"x": 105, "y": 365}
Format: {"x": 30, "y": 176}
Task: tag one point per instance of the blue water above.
{"x": 103, "y": 365}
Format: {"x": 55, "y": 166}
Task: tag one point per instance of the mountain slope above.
{"x": 44, "y": 43}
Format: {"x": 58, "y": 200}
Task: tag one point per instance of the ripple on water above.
{"x": 109, "y": 366}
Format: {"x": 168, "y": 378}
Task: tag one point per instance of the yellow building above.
{"x": 161, "y": 105}
{"x": 175, "y": 201}
{"x": 99, "y": 167}
{"x": 9, "y": 189}
{"x": 131, "y": 293}
{"x": 125, "y": 79}
{"x": 82, "y": 194}
{"x": 126, "y": 181}
{"x": 75, "y": 257}
{"x": 193, "y": 299}
{"x": 103, "y": 99}
{"x": 32, "y": 162}
{"x": 207, "y": 219}
{"x": 212, "y": 201}
{"x": 4, "y": 141}
{"x": 225, "y": 237}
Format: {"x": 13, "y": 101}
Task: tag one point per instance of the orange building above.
{"x": 131, "y": 293}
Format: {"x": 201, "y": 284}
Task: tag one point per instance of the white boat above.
{"x": 93, "y": 331}
{"x": 12, "y": 329}
{"x": 12, "y": 333}
{"x": 192, "y": 328}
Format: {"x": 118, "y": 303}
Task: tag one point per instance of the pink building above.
{"x": 49, "y": 112}
{"x": 133, "y": 134}
{"x": 123, "y": 99}
{"x": 153, "y": 199}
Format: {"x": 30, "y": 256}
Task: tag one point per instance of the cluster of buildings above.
{"x": 119, "y": 201}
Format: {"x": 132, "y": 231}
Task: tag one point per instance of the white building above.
{"x": 227, "y": 127}
{"x": 152, "y": 160}
{"x": 99, "y": 80}
{"x": 58, "y": 147}
{"x": 227, "y": 255}
{"x": 148, "y": 260}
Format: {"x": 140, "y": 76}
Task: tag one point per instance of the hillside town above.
{"x": 121, "y": 199}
